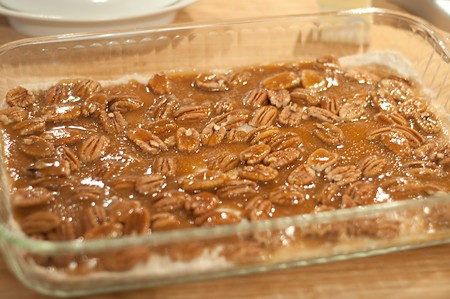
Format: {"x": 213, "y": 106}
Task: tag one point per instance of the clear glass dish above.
{"x": 179, "y": 256}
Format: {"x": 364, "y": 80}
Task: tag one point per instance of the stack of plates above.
{"x": 38, "y": 24}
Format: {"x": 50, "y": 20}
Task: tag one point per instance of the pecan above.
{"x": 220, "y": 216}
{"x": 83, "y": 88}
{"x": 190, "y": 113}
{"x": 281, "y": 158}
{"x": 284, "y": 140}
{"x": 262, "y": 134}
{"x": 391, "y": 118}
{"x": 125, "y": 103}
{"x": 147, "y": 141}
{"x": 402, "y": 187}
{"x": 30, "y": 126}
{"x": 290, "y": 116}
{"x": 93, "y": 148}
{"x": 113, "y": 122}
{"x": 329, "y": 194}
{"x": 171, "y": 201}
{"x": 92, "y": 194}
{"x": 120, "y": 210}
{"x": 256, "y": 98}
{"x": 382, "y": 103}
{"x": 320, "y": 114}
{"x": 37, "y": 147}
{"x": 150, "y": 184}
{"x": 232, "y": 119}
{"x": 264, "y": 116}
{"x": 304, "y": 97}
{"x": 20, "y": 97}
{"x": 163, "y": 107}
{"x": 39, "y": 222}
{"x": 258, "y": 209}
{"x": 123, "y": 259}
{"x": 321, "y": 159}
{"x": 188, "y": 140}
{"x": 442, "y": 154}
{"x": 223, "y": 162}
{"x": 372, "y": 166}
{"x": 137, "y": 222}
{"x": 94, "y": 104}
{"x": 68, "y": 155}
{"x": 211, "y": 82}
{"x": 414, "y": 138}
{"x": 104, "y": 231}
{"x": 331, "y": 103}
{"x": 236, "y": 135}
{"x": 284, "y": 80}
{"x": 164, "y": 166}
{"x": 64, "y": 232}
{"x": 164, "y": 221}
{"x": 213, "y": 134}
{"x": 343, "y": 175}
{"x": 254, "y": 154}
{"x": 394, "y": 89}
{"x": 161, "y": 127}
{"x": 31, "y": 197}
{"x": 422, "y": 169}
{"x": 205, "y": 180}
{"x": 353, "y": 109}
{"x": 312, "y": 79}
{"x": 279, "y": 98}
{"x": 107, "y": 169}
{"x": 49, "y": 167}
{"x": 54, "y": 183}
{"x": 94, "y": 216}
{"x": 396, "y": 142}
{"x": 428, "y": 122}
{"x": 328, "y": 133}
{"x": 201, "y": 203}
{"x": 58, "y": 94}
{"x": 425, "y": 152}
{"x": 237, "y": 189}
{"x": 301, "y": 175}
{"x": 160, "y": 84}
{"x": 12, "y": 115}
{"x": 259, "y": 173}
{"x": 64, "y": 135}
{"x": 411, "y": 107}
{"x": 170, "y": 142}
{"x": 287, "y": 195}
{"x": 61, "y": 112}
{"x": 361, "y": 193}
{"x": 224, "y": 106}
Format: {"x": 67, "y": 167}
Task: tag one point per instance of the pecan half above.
{"x": 287, "y": 195}
{"x": 93, "y": 148}
{"x": 312, "y": 79}
{"x": 94, "y": 104}
{"x": 329, "y": 133}
{"x": 285, "y": 140}
{"x": 163, "y": 107}
{"x": 331, "y": 103}
{"x": 343, "y": 175}
{"x": 254, "y": 154}
{"x": 282, "y": 158}
{"x": 428, "y": 122}
{"x": 161, "y": 127}
{"x": 64, "y": 135}
{"x": 125, "y": 103}
{"x": 191, "y": 114}
{"x": 164, "y": 221}
{"x": 223, "y": 162}
{"x": 150, "y": 184}
{"x": 30, "y": 126}
{"x": 188, "y": 140}
{"x": 211, "y": 82}
{"x": 219, "y": 216}
{"x": 120, "y": 210}
{"x": 304, "y": 97}
{"x": 205, "y": 180}
{"x": 165, "y": 166}
{"x": 49, "y": 167}
{"x": 411, "y": 107}
{"x": 256, "y": 98}
{"x": 372, "y": 166}
{"x": 147, "y": 141}
{"x": 290, "y": 116}
{"x": 321, "y": 159}
{"x": 31, "y": 197}
{"x": 320, "y": 114}
{"x": 259, "y": 173}
{"x": 353, "y": 109}
{"x": 391, "y": 118}
{"x": 264, "y": 116}
{"x": 39, "y": 222}
{"x": 237, "y": 189}
{"x": 201, "y": 203}
{"x": 279, "y": 98}
{"x": 361, "y": 193}
{"x": 258, "y": 209}
{"x": 213, "y": 134}
{"x": 61, "y": 112}
{"x": 94, "y": 216}
{"x": 12, "y": 115}
{"x": 20, "y": 97}
{"x": 262, "y": 134}
{"x": 160, "y": 84}
{"x": 301, "y": 175}
{"x": 171, "y": 201}
{"x": 394, "y": 89}
{"x": 37, "y": 147}
{"x": 113, "y": 122}
{"x": 137, "y": 222}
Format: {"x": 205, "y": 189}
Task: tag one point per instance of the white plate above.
{"x": 39, "y": 25}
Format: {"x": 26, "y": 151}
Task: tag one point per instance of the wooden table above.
{"x": 422, "y": 273}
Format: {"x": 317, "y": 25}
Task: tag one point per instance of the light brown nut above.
{"x": 442, "y": 154}
{"x": 104, "y": 231}
{"x": 320, "y": 114}
{"x": 91, "y": 194}
{"x": 361, "y": 193}
{"x": 213, "y": 134}
{"x": 161, "y": 127}
{"x": 94, "y": 216}
{"x": 372, "y": 166}
{"x": 137, "y": 222}
{"x": 234, "y": 189}
{"x": 224, "y": 106}
{"x": 160, "y": 84}
{"x": 343, "y": 175}
{"x": 107, "y": 169}
{"x": 290, "y": 116}
{"x": 258, "y": 208}
{"x": 382, "y": 103}
{"x": 254, "y": 154}
{"x": 211, "y": 82}
{"x": 220, "y": 216}
{"x": 264, "y": 116}
{"x": 423, "y": 169}
{"x": 428, "y": 122}
{"x": 353, "y": 109}
{"x": 258, "y": 173}
{"x": 151, "y": 184}
{"x": 164, "y": 221}
{"x": 414, "y": 138}
{"x": 12, "y": 115}
{"x": 304, "y": 97}
{"x": 426, "y": 151}
{"x": 191, "y": 114}
{"x": 124, "y": 183}
{"x": 125, "y": 103}
{"x": 20, "y": 97}
{"x": 163, "y": 107}
{"x": 165, "y": 166}
{"x": 391, "y": 118}
{"x": 93, "y": 148}
{"x": 188, "y": 140}
{"x": 54, "y": 183}
{"x": 256, "y": 98}
{"x": 68, "y": 155}
{"x": 284, "y": 80}
{"x": 287, "y": 195}
{"x": 329, "y": 195}
{"x": 30, "y": 126}
{"x": 223, "y": 162}
{"x": 404, "y": 187}
{"x": 61, "y": 112}
{"x": 235, "y": 135}
{"x": 205, "y": 180}
{"x": 201, "y": 203}
{"x": 312, "y": 79}
{"x": 39, "y": 222}
{"x": 331, "y": 103}
{"x": 94, "y": 104}
{"x": 58, "y": 94}
{"x": 64, "y": 232}
{"x": 262, "y": 134}
{"x": 147, "y": 141}
{"x": 279, "y": 98}
{"x": 37, "y": 147}
{"x": 64, "y": 135}
{"x": 411, "y": 107}
{"x": 232, "y": 119}
{"x": 329, "y": 133}
{"x": 172, "y": 201}
{"x": 321, "y": 159}
{"x": 394, "y": 89}
{"x": 49, "y": 167}
{"x": 83, "y": 88}
{"x": 113, "y": 122}
{"x": 301, "y": 175}
{"x": 284, "y": 140}
{"x": 123, "y": 259}
{"x": 282, "y": 158}
{"x": 239, "y": 77}
{"x": 120, "y": 210}
{"x": 396, "y": 142}
{"x": 31, "y": 197}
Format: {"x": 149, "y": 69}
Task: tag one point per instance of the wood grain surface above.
{"x": 420, "y": 273}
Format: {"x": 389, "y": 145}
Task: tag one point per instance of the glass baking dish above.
{"x": 192, "y": 254}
